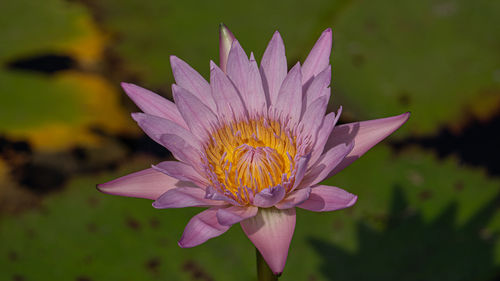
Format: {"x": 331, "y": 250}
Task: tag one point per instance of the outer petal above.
{"x": 271, "y": 231}
{"x": 154, "y": 104}
{"x": 290, "y": 94}
{"x": 273, "y": 67}
{"x": 202, "y": 227}
{"x": 365, "y": 135}
{"x": 269, "y": 196}
{"x": 189, "y": 79}
{"x": 182, "y": 197}
{"x": 181, "y": 171}
{"x": 228, "y": 100}
{"x": 328, "y": 198}
{"x": 197, "y": 115}
{"x": 226, "y": 39}
{"x": 294, "y": 198}
{"x": 319, "y": 57}
{"x": 149, "y": 184}
{"x": 155, "y": 127}
{"x": 235, "y": 214}
{"x": 326, "y": 163}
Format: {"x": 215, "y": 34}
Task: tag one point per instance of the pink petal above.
{"x": 290, "y": 94}
{"x": 365, "y": 135}
{"x": 256, "y": 99}
{"x": 328, "y": 198}
{"x": 181, "y": 171}
{"x": 182, "y": 151}
{"x": 313, "y": 117}
{"x": 149, "y": 184}
{"x": 294, "y": 198}
{"x": 228, "y": 101}
{"x": 271, "y": 231}
{"x": 269, "y": 196}
{"x": 155, "y": 127}
{"x": 198, "y": 116}
{"x": 326, "y": 163}
{"x": 273, "y": 67}
{"x": 301, "y": 169}
{"x": 323, "y": 132}
{"x": 319, "y": 57}
{"x": 188, "y": 78}
{"x": 213, "y": 194}
{"x": 318, "y": 85}
{"x": 182, "y": 197}
{"x": 238, "y": 68}
{"x": 202, "y": 227}
{"x": 226, "y": 39}
{"x": 235, "y": 214}
{"x": 246, "y": 77}
{"x": 153, "y": 104}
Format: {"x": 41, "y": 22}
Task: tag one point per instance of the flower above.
{"x": 253, "y": 144}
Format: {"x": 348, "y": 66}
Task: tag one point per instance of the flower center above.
{"x": 246, "y": 157}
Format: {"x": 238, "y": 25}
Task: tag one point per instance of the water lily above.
{"x": 252, "y": 144}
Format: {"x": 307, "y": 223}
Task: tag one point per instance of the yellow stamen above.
{"x": 254, "y": 154}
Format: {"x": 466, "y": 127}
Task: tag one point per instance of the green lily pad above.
{"x": 438, "y": 59}
{"x": 101, "y": 237}
{"x": 54, "y": 111}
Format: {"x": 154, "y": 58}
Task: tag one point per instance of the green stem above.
{"x": 264, "y": 273}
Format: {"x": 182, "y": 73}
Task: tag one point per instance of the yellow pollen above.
{"x": 254, "y": 155}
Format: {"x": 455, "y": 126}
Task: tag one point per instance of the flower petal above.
{"x": 153, "y": 104}
{"x": 188, "y": 78}
{"x": 255, "y": 101}
{"x": 155, "y": 127}
{"x": 212, "y": 194}
{"x": 182, "y": 197}
{"x": 182, "y": 150}
{"x": 365, "y": 135}
{"x": 202, "y": 227}
{"x": 294, "y": 198}
{"x": 300, "y": 168}
{"x": 228, "y": 100}
{"x": 317, "y": 87}
{"x": 271, "y": 231}
{"x": 181, "y": 171}
{"x": 238, "y": 68}
{"x": 326, "y": 163}
{"x": 269, "y": 196}
{"x": 273, "y": 67}
{"x": 290, "y": 94}
{"x": 198, "y": 116}
{"x": 149, "y": 184}
{"x": 235, "y": 214}
{"x": 319, "y": 57}
{"x": 226, "y": 39}
{"x": 313, "y": 117}
{"x": 323, "y": 132}
{"x": 328, "y": 198}
{"x": 246, "y": 77}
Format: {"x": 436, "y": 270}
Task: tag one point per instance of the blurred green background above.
{"x": 429, "y": 199}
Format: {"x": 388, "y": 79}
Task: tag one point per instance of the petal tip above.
{"x": 352, "y": 202}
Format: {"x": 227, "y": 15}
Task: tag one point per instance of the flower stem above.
{"x": 264, "y": 273}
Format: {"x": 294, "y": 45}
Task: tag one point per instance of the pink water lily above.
{"x": 253, "y": 144}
